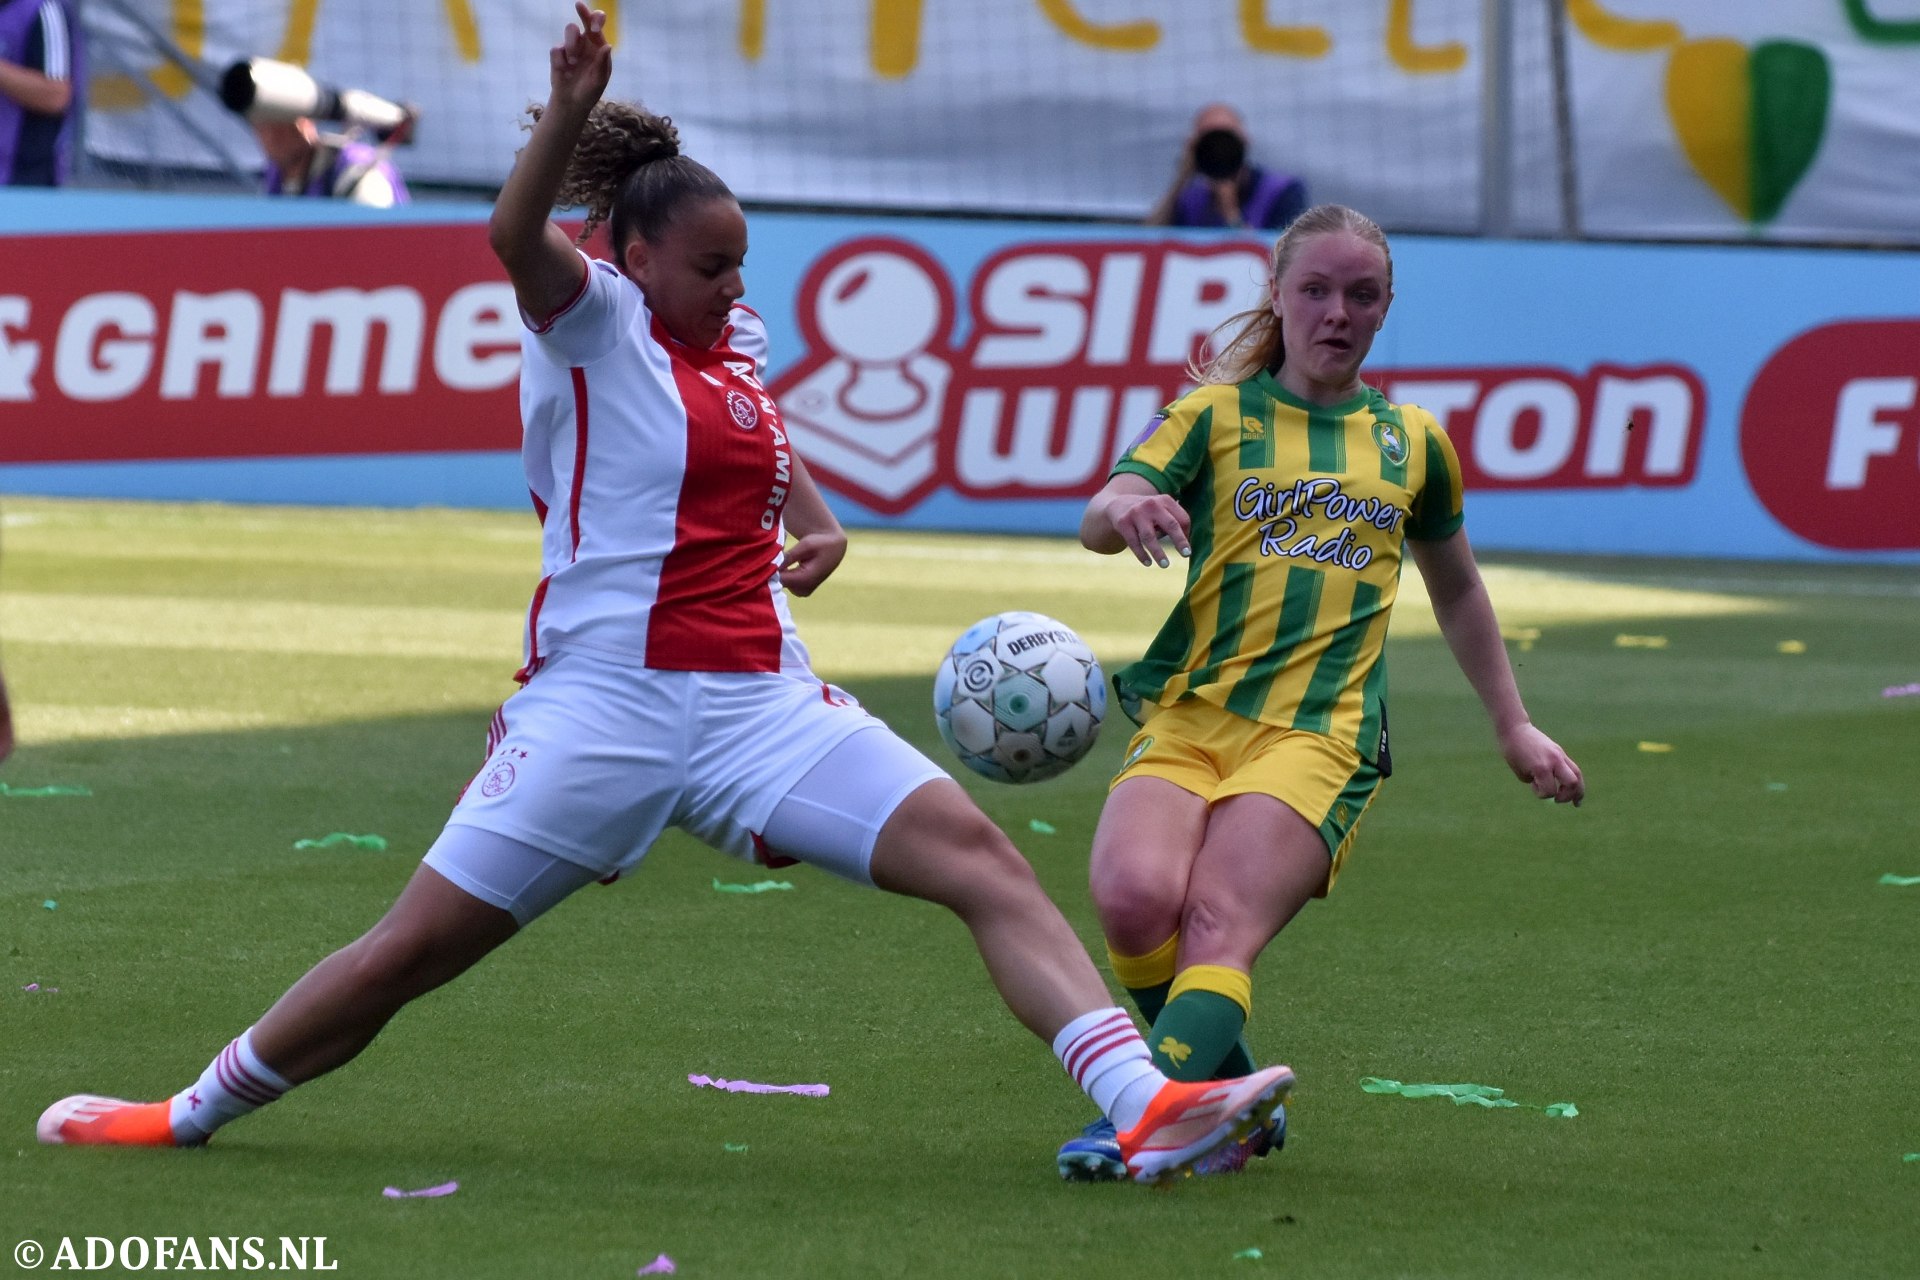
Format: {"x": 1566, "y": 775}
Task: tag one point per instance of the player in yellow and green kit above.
{"x": 1291, "y": 487}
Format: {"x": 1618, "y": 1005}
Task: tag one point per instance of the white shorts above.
{"x": 594, "y": 760}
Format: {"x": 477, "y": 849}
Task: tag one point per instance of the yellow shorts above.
{"x": 1214, "y": 753}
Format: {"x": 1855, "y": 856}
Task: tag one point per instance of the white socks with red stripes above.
{"x": 234, "y": 1084}
{"x": 1105, "y": 1055}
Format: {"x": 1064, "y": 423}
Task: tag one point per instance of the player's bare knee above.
{"x": 1138, "y": 911}
{"x": 1213, "y": 931}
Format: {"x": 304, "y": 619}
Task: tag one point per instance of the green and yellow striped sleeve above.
{"x": 1173, "y": 446}
{"x": 1437, "y": 509}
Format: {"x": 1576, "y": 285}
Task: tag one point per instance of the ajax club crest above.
{"x": 741, "y": 409}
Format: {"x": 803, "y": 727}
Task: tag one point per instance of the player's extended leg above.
{"x": 435, "y": 931}
{"x": 1259, "y": 864}
{"x": 938, "y": 846}
{"x": 876, "y": 811}
{"x": 432, "y": 934}
{"x": 1150, "y": 832}
{"x": 1143, "y": 853}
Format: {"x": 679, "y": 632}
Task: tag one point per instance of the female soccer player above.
{"x": 664, "y": 684}
{"x": 1291, "y": 486}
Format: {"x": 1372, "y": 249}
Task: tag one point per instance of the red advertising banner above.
{"x": 1829, "y": 435}
{"x": 255, "y": 343}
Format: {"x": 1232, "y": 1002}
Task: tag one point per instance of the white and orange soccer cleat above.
{"x": 89, "y": 1120}
{"x": 1187, "y": 1120}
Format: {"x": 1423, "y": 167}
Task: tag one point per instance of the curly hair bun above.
{"x": 619, "y": 138}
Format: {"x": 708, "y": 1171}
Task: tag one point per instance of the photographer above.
{"x": 285, "y": 106}
{"x": 1217, "y": 187}
{"x": 301, "y": 161}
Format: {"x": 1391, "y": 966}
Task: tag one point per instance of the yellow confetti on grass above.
{"x": 1656, "y": 748}
{"x": 1523, "y": 637}
{"x": 1639, "y": 642}
{"x": 1793, "y": 646}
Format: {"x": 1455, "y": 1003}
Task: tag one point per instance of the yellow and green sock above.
{"x": 1200, "y": 1024}
{"x": 1149, "y": 980}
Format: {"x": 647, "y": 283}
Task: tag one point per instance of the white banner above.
{"x": 1772, "y": 118}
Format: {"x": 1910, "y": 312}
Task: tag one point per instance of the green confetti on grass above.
{"x": 49, "y": 904}
{"x": 376, "y": 843}
{"x": 734, "y": 1147}
{"x": 1251, "y": 1255}
{"x": 758, "y": 886}
{"x": 1912, "y": 1157}
{"x": 1891, "y": 878}
{"x": 1776, "y": 786}
{"x": 1044, "y": 828}
{"x": 1465, "y": 1095}
{"x": 30, "y": 793}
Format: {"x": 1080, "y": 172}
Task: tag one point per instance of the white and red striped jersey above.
{"x": 659, "y": 472}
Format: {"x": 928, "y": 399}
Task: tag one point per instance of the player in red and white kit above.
{"x": 664, "y": 684}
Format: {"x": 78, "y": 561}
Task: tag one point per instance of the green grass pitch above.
{"x": 1702, "y": 958}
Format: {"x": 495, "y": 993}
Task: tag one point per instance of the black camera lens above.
{"x": 1219, "y": 153}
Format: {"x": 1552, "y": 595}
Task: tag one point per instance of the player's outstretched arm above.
{"x": 821, "y": 543}
{"x": 1131, "y": 515}
{"x": 540, "y": 259}
{"x": 1465, "y": 614}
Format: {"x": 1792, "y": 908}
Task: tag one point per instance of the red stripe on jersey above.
{"x": 586, "y": 275}
{"x": 539, "y": 507}
{"x": 579, "y": 453}
{"x": 525, "y": 673}
{"x": 714, "y": 610}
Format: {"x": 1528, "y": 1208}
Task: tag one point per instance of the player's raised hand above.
{"x": 1144, "y": 520}
{"x": 582, "y": 61}
{"x": 1538, "y": 761}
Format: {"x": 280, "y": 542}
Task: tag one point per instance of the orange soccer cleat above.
{"x": 1187, "y": 1120}
{"x": 88, "y": 1120}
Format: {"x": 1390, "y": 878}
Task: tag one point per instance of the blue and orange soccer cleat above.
{"x": 1236, "y": 1156}
{"x": 1094, "y": 1156}
{"x": 1187, "y": 1121}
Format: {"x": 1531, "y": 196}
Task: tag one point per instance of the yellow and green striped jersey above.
{"x": 1299, "y": 514}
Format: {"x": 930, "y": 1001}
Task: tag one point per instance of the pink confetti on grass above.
{"x": 660, "y": 1266}
{"x": 40, "y": 990}
{"x": 748, "y": 1086}
{"x": 1901, "y": 690}
{"x": 444, "y": 1189}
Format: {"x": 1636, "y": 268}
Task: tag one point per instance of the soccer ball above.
{"x": 1019, "y": 697}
